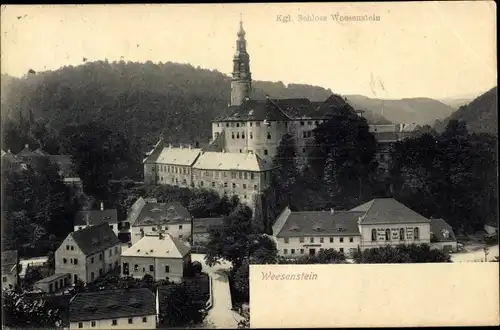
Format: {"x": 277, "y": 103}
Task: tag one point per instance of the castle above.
{"x": 238, "y": 160}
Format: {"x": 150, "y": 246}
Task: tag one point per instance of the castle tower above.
{"x": 241, "y": 84}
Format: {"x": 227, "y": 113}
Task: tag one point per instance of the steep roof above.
{"x": 255, "y": 110}
{"x": 387, "y": 211}
{"x": 10, "y": 157}
{"x": 319, "y": 223}
{"x": 96, "y": 217}
{"x": 226, "y": 161}
{"x": 135, "y": 210}
{"x": 110, "y": 304}
{"x": 154, "y": 245}
{"x": 152, "y": 214}
{"x": 441, "y": 231}
{"x": 27, "y": 152}
{"x": 153, "y": 154}
{"x": 201, "y": 225}
{"x": 330, "y": 106}
{"x": 96, "y": 238}
{"x": 296, "y": 108}
{"x": 185, "y": 156}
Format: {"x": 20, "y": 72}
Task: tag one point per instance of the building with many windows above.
{"x": 377, "y": 223}
{"x": 114, "y": 309}
{"x": 88, "y": 253}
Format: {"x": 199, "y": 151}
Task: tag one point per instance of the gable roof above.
{"x": 229, "y": 161}
{"x": 52, "y": 277}
{"x": 319, "y": 223}
{"x": 96, "y": 217}
{"x": 442, "y": 231}
{"x": 184, "y": 156}
{"x": 153, "y": 154}
{"x": 387, "y": 211}
{"x": 152, "y": 214}
{"x": 95, "y": 238}
{"x": 110, "y": 304}
{"x": 26, "y": 152}
{"x": 201, "y": 225}
{"x": 10, "y": 157}
{"x": 154, "y": 245}
{"x": 41, "y": 152}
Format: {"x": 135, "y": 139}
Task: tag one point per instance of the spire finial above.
{"x": 241, "y": 33}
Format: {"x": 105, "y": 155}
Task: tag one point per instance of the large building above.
{"x": 379, "y": 222}
{"x": 250, "y": 131}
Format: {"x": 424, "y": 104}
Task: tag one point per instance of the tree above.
{"x": 33, "y": 274}
{"x": 401, "y": 254}
{"x": 285, "y": 171}
{"x": 179, "y": 309}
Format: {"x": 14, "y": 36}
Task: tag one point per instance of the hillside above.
{"x": 140, "y": 100}
{"x": 456, "y": 102}
{"x": 420, "y": 111}
{"x": 480, "y": 114}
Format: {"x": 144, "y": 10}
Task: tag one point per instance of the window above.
{"x": 110, "y": 252}
{"x": 65, "y": 261}
{"x": 115, "y": 322}
{"x": 250, "y": 124}
{"x": 268, "y": 136}
{"x": 265, "y": 152}
{"x": 351, "y": 239}
{"x": 91, "y": 276}
{"x": 72, "y": 247}
{"x": 293, "y": 251}
{"x": 244, "y": 186}
{"x": 238, "y": 135}
{"x": 245, "y": 175}
{"x": 416, "y": 234}
{"x": 110, "y": 266}
{"x": 130, "y": 320}
{"x": 387, "y": 234}
{"x": 213, "y": 184}
{"x": 67, "y": 246}
{"x": 374, "y": 235}
{"x": 75, "y": 261}
{"x": 304, "y": 134}
{"x": 311, "y": 240}
{"x": 285, "y": 251}
{"x": 180, "y": 227}
{"x": 227, "y": 124}
{"x": 316, "y": 123}
{"x": 167, "y": 269}
{"x": 240, "y": 175}
{"x": 242, "y": 135}
{"x": 201, "y": 183}
{"x": 232, "y": 135}
{"x": 116, "y": 249}
{"x": 301, "y": 123}
{"x": 321, "y": 240}
{"x": 401, "y": 234}
{"x": 255, "y": 187}
{"x": 251, "y": 135}
{"x": 92, "y": 260}
{"x": 225, "y": 184}
{"x": 4, "y": 279}
{"x": 136, "y": 267}
{"x": 304, "y": 150}
{"x": 237, "y": 124}
{"x": 257, "y": 124}
{"x": 151, "y": 268}
{"x": 80, "y": 324}
{"x": 331, "y": 239}
{"x": 100, "y": 271}
{"x": 234, "y": 185}
{"x": 301, "y": 239}
{"x": 144, "y": 319}
{"x": 92, "y": 324}
{"x": 341, "y": 240}
{"x": 252, "y": 176}
{"x": 286, "y": 240}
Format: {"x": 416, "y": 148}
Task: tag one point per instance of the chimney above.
{"x": 87, "y": 218}
{"x": 332, "y": 211}
{"x": 102, "y": 206}
{"x": 8, "y": 151}
{"x": 27, "y": 146}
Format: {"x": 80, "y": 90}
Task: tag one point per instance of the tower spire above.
{"x": 241, "y": 83}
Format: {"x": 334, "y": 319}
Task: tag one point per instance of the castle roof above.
{"x": 226, "y": 161}
{"x": 255, "y": 110}
{"x": 184, "y": 156}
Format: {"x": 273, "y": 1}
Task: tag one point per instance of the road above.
{"x": 220, "y": 315}
{"x": 475, "y": 256}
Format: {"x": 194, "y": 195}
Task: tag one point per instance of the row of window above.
{"x": 307, "y": 134}
{"x": 113, "y": 322}
{"x": 416, "y": 234}
{"x": 101, "y": 271}
{"x": 301, "y": 251}
{"x": 257, "y": 124}
{"x": 237, "y": 136}
{"x": 173, "y": 169}
{"x": 224, "y": 174}
{"x": 321, "y": 239}
{"x": 72, "y": 261}
{"x": 136, "y": 268}
{"x": 225, "y": 185}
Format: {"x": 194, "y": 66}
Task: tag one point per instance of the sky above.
{"x": 410, "y": 49}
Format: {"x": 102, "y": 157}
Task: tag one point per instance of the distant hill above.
{"x": 480, "y": 114}
{"x": 456, "y": 102}
{"x": 140, "y": 100}
{"x": 420, "y": 111}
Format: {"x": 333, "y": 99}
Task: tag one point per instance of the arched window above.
{"x": 374, "y": 235}
{"x": 268, "y": 136}
{"x": 251, "y": 135}
{"x": 238, "y": 135}
{"x": 232, "y": 135}
{"x": 242, "y": 135}
{"x": 387, "y": 234}
{"x": 416, "y": 234}
{"x": 401, "y": 234}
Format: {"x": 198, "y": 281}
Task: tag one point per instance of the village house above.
{"x": 86, "y": 218}
{"x": 53, "y": 283}
{"x": 379, "y": 222}
{"x": 9, "y": 269}
{"x": 88, "y": 253}
{"x": 442, "y": 236}
{"x": 158, "y": 254}
{"x": 114, "y": 309}
{"x": 148, "y": 217}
